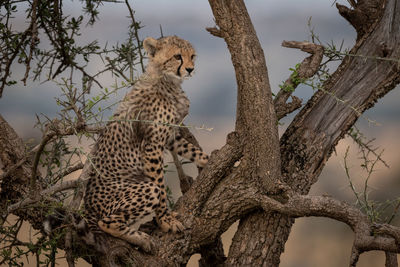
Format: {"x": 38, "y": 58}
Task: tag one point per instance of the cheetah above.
{"x": 127, "y": 181}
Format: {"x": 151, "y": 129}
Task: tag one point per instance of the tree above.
{"x": 255, "y": 177}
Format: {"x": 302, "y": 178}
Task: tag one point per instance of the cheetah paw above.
{"x": 146, "y": 243}
{"x": 169, "y": 222}
{"x": 202, "y": 162}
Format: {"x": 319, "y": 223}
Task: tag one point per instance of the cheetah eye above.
{"x": 193, "y": 57}
{"x": 178, "y": 57}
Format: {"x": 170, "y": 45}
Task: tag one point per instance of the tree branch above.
{"x": 389, "y": 230}
{"x": 245, "y": 174}
{"x": 53, "y": 129}
{"x": 254, "y": 92}
{"x": 288, "y": 108}
{"x": 308, "y": 67}
{"x": 33, "y": 188}
{"x": 323, "y": 206}
{"x": 363, "y": 14}
{"x": 311, "y": 137}
{"x": 11, "y": 59}
{"x": 73, "y": 168}
{"x": 184, "y": 180}
{"x": 324, "y": 121}
{"x": 34, "y": 39}
{"x": 354, "y": 256}
{"x": 135, "y": 25}
{"x": 391, "y": 259}
{"x": 215, "y": 31}
{"x": 219, "y": 166}
{"x": 45, "y": 193}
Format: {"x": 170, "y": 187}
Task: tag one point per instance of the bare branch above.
{"x": 45, "y": 193}
{"x": 391, "y": 259}
{"x": 363, "y": 14}
{"x": 311, "y": 137}
{"x": 35, "y": 164}
{"x": 218, "y": 167}
{"x": 288, "y": 108}
{"x": 215, "y": 31}
{"x": 389, "y": 230}
{"x": 71, "y": 169}
{"x": 113, "y": 67}
{"x": 185, "y": 181}
{"x": 11, "y": 60}
{"x": 308, "y": 67}
{"x": 55, "y": 128}
{"x": 34, "y": 39}
{"x": 354, "y": 256}
{"x": 135, "y": 29}
{"x": 68, "y": 249}
{"x": 363, "y": 143}
{"x": 323, "y": 206}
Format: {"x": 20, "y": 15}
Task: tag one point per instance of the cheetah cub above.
{"x": 127, "y": 183}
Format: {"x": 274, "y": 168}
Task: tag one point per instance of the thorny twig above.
{"x": 364, "y": 144}
{"x": 135, "y": 27}
{"x": 34, "y": 39}
{"x": 46, "y": 193}
{"x": 373, "y": 210}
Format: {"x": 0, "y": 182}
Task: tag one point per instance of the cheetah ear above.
{"x": 150, "y": 45}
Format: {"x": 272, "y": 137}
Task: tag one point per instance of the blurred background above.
{"x": 212, "y": 92}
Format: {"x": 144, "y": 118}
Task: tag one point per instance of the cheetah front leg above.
{"x": 187, "y": 150}
{"x": 153, "y": 168}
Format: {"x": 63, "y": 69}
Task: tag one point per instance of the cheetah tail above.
{"x": 59, "y": 219}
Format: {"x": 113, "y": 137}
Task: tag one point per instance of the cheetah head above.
{"x": 171, "y": 56}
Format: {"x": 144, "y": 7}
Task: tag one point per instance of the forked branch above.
{"x": 305, "y": 70}
{"x": 368, "y": 236}
{"x": 362, "y": 15}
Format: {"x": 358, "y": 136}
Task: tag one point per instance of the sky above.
{"x": 212, "y": 92}
{"x": 213, "y": 84}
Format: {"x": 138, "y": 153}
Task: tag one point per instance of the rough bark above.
{"x": 255, "y": 116}
{"x": 391, "y": 259}
{"x": 254, "y": 100}
{"x": 311, "y": 137}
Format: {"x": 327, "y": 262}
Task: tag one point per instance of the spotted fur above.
{"x": 127, "y": 182}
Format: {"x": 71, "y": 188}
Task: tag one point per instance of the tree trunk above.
{"x": 309, "y": 140}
